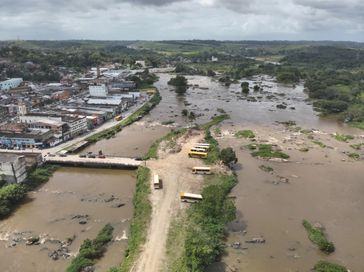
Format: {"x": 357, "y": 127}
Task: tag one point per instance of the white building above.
{"x": 141, "y": 63}
{"x": 12, "y": 168}
{"x": 10, "y": 83}
{"x": 98, "y": 90}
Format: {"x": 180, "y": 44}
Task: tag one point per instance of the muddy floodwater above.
{"x": 323, "y": 186}
{"x": 73, "y": 203}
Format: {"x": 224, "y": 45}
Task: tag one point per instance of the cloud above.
{"x": 182, "y": 19}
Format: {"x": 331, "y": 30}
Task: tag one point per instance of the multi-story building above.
{"x": 12, "y": 168}
{"x": 10, "y": 83}
{"x": 98, "y": 90}
{"x": 18, "y": 135}
{"x": 59, "y": 128}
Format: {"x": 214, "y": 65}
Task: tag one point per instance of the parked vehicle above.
{"x": 82, "y": 155}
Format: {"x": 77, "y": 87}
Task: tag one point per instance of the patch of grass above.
{"x": 171, "y": 138}
{"x": 41, "y": 174}
{"x": 359, "y": 125}
{"x": 343, "y": 137}
{"x": 140, "y": 220}
{"x": 245, "y": 134}
{"x": 321, "y": 144}
{"x": 91, "y": 250}
{"x": 214, "y": 152}
{"x": 304, "y": 149}
{"x": 266, "y": 151}
{"x": 306, "y": 131}
{"x": 317, "y": 236}
{"x": 354, "y": 156}
{"x": 324, "y": 266}
{"x": 214, "y": 121}
{"x": 176, "y": 244}
{"x": 357, "y": 146}
{"x": 266, "y": 168}
{"x": 217, "y": 131}
{"x": 169, "y": 122}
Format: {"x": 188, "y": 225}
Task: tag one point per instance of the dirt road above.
{"x": 175, "y": 172}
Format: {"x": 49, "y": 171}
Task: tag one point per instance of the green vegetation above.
{"x": 11, "y": 195}
{"x": 317, "y": 236}
{"x": 217, "y": 131}
{"x": 176, "y": 243}
{"x": 40, "y": 174}
{"x": 354, "y": 156}
{"x": 170, "y": 138}
{"x": 266, "y": 168}
{"x": 266, "y": 151}
{"x": 357, "y": 146}
{"x": 343, "y": 137}
{"x": 321, "y": 144}
{"x": 214, "y": 121}
{"x": 228, "y": 156}
{"x": 140, "y": 220}
{"x": 91, "y": 250}
{"x": 180, "y": 82}
{"x": 304, "y": 149}
{"x": 214, "y": 152}
{"x": 324, "y": 266}
{"x": 145, "y": 109}
{"x": 204, "y": 229}
{"x": 245, "y": 134}
{"x": 169, "y": 122}
{"x": 358, "y": 124}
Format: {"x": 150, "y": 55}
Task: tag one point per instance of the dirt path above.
{"x": 175, "y": 172}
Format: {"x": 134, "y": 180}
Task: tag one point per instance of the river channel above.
{"x": 94, "y": 197}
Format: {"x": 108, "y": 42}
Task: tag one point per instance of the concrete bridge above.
{"x": 108, "y": 162}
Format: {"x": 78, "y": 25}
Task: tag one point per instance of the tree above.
{"x": 256, "y": 88}
{"x": 228, "y": 156}
{"x": 184, "y": 112}
{"x": 245, "y": 87}
{"x": 180, "y": 82}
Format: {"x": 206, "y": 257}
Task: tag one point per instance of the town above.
{"x": 45, "y": 115}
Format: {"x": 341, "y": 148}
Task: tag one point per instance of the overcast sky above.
{"x": 182, "y": 19}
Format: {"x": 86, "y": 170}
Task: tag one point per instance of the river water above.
{"x": 56, "y": 209}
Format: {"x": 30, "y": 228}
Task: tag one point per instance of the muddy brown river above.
{"x": 329, "y": 192}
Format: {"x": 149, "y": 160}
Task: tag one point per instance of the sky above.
{"x": 182, "y": 19}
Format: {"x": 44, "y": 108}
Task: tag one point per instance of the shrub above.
{"x": 245, "y": 134}
{"x": 228, "y": 156}
{"x": 91, "y": 249}
{"x": 343, "y": 137}
{"x": 324, "y": 266}
{"x": 266, "y": 151}
{"x": 317, "y": 236}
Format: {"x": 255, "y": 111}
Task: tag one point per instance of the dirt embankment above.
{"x": 175, "y": 171}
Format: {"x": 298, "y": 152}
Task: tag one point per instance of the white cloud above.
{"x": 182, "y": 19}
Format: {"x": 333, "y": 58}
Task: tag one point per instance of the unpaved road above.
{"x": 175, "y": 172}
